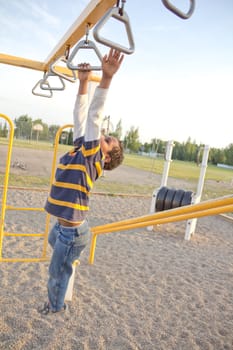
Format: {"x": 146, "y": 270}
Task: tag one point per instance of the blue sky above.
{"x": 177, "y": 84}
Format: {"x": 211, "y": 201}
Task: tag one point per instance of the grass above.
{"x": 32, "y": 144}
{"x": 26, "y": 181}
{"x": 188, "y": 171}
{"x": 218, "y": 184}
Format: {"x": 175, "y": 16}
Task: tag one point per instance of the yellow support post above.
{"x": 6, "y": 179}
{"x": 92, "y": 248}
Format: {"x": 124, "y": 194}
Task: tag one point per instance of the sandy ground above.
{"x": 145, "y": 291}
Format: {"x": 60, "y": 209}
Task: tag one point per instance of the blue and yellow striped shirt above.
{"x": 81, "y": 167}
{"x": 75, "y": 175}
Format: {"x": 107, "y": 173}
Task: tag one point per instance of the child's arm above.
{"x": 81, "y": 104}
{"x": 110, "y": 65}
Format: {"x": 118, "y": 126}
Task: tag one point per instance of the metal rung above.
{"x": 64, "y": 76}
{"x": 45, "y": 85}
{"x": 114, "y": 12}
{"x": 49, "y": 95}
{"x": 177, "y": 11}
{"x": 84, "y": 44}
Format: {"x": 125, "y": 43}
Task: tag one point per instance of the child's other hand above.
{"x": 111, "y": 62}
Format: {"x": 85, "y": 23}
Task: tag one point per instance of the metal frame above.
{"x": 5, "y": 207}
{"x": 91, "y": 15}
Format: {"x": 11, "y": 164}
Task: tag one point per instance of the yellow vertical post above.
{"x": 6, "y": 178}
{"x": 92, "y": 248}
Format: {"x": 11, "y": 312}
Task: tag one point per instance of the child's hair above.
{"x": 117, "y": 157}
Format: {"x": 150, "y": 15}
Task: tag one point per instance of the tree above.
{"x": 52, "y": 131}
{"x": 23, "y": 126}
{"x": 118, "y": 130}
{"x": 70, "y": 137}
{"x": 3, "y": 130}
{"x": 229, "y": 154}
{"x": 131, "y": 140}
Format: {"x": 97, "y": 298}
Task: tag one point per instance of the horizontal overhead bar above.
{"x": 91, "y": 14}
{"x": 36, "y": 65}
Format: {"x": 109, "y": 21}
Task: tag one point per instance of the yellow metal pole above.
{"x": 11, "y": 207}
{"x": 6, "y": 179}
{"x": 181, "y": 210}
{"x": 207, "y": 208}
{"x": 165, "y": 220}
{"x": 36, "y": 260}
{"x": 13, "y": 234}
{"x": 92, "y": 248}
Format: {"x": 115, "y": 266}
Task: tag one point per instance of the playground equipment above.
{"x": 5, "y": 206}
{"x": 119, "y": 14}
{"x": 97, "y": 13}
{"x": 184, "y": 213}
{"x": 177, "y": 11}
{"x": 206, "y": 208}
{"x": 102, "y": 10}
{"x": 164, "y": 198}
{"x": 6, "y": 177}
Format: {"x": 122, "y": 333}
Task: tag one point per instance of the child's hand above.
{"x": 84, "y": 71}
{"x": 111, "y": 63}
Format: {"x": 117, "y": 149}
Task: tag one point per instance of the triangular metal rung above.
{"x": 40, "y": 93}
{"x": 114, "y": 12}
{"x": 54, "y": 70}
{"x": 45, "y": 85}
{"x": 177, "y": 11}
{"x": 84, "y": 44}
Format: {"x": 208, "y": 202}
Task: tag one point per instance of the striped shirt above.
{"x": 81, "y": 167}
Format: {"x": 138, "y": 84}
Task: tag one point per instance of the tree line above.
{"x": 25, "y": 128}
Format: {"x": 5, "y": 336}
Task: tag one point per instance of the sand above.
{"x": 145, "y": 291}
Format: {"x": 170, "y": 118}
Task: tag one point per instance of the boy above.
{"x": 75, "y": 175}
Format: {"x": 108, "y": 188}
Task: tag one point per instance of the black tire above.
{"x": 159, "y": 205}
{"x": 177, "y": 200}
{"x": 169, "y": 198}
{"x": 187, "y": 199}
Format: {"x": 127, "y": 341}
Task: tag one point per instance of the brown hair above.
{"x": 117, "y": 157}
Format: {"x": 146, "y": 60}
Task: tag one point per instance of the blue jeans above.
{"x": 67, "y": 244}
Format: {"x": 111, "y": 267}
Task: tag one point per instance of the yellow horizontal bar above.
{"x": 24, "y": 259}
{"x": 36, "y": 65}
{"x": 164, "y": 214}
{"x": 180, "y": 214}
{"x": 10, "y": 234}
{"x": 11, "y": 207}
{"x": 165, "y": 220}
{"x": 21, "y": 62}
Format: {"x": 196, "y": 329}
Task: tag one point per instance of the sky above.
{"x": 176, "y": 85}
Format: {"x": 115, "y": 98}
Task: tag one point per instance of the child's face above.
{"x": 107, "y": 143}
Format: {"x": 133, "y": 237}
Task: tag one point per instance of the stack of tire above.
{"x": 170, "y": 198}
